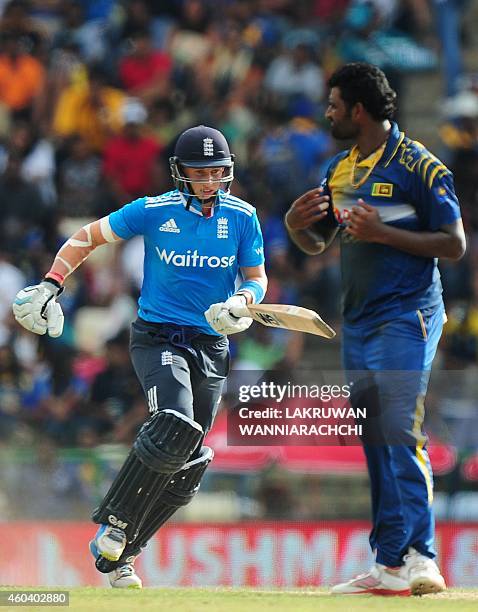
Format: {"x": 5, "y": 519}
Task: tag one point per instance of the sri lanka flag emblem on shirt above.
{"x": 382, "y": 189}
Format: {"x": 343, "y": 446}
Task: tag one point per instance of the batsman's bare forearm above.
{"x": 449, "y": 242}
{"x": 77, "y": 248}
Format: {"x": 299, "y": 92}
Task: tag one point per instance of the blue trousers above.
{"x": 389, "y": 367}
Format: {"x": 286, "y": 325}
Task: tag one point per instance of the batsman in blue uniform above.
{"x": 394, "y": 207}
{"x": 203, "y": 262}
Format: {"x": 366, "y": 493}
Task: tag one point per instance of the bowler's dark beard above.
{"x": 343, "y": 134}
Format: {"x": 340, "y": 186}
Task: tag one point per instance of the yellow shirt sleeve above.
{"x": 67, "y": 110}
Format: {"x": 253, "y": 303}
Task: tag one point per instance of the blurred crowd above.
{"x": 93, "y": 94}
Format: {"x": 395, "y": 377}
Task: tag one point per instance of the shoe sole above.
{"x": 385, "y": 593}
{"x": 380, "y": 592}
{"x": 424, "y": 586}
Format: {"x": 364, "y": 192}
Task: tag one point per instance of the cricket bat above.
{"x": 290, "y": 317}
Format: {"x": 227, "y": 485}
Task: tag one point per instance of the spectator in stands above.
{"x": 461, "y": 332}
{"x": 226, "y": 65}
{"x": 137, "y": 17}
{"x": 167, "y": 118}
{"x": 189, "y": 42}
{"x": 64, "y": 68}
{"x": 116, "y": 399}
{"x": 23, "y": 210}
{"x": 130, "y": 160}
{"x": 79, "y": 179}
{"x": 295, "y": 151}
{"x": 329, "y": 10}
{"x": 92, "y": 109}
{"x": 98, "y": 9}
{"x": 145, "y": 72}
{"x": 16, "y": 20}
{"x": 38, "y": 159}
{"x": 459, "y": 134}
{"x": 88, "y": 36}
{"x": 21, "y": 76}
{"x": 195, "y": 16}
{"x": 296, "y": 72}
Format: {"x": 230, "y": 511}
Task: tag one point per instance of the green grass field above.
{"x": 248, "y": 600}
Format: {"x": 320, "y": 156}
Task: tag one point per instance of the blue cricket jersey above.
{"x": 412, "y": 190}
{"x": 190, "y": 261}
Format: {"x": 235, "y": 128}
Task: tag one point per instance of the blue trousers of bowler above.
{"x": 389, "y": 365}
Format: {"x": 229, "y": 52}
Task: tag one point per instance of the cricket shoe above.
{"x": 109, "y": 542}
{"x": 379, "y": 580}
{"x": 423, "y": 574}
{"x": 124, "y": 577}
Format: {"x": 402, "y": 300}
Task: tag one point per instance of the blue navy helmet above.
{"x": 201, "y": 147}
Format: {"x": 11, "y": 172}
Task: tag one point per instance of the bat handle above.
{"x": 240, "y": 311}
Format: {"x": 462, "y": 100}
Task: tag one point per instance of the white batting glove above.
{"x": 37, "y": 310}
{"x": 227, "y": 317}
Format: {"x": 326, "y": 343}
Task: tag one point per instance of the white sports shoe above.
{"x": 124, "y": 577}
{"x": 379, "y": 580}
{"x": 423, "y": 574}
{"x": 109, "y": 542}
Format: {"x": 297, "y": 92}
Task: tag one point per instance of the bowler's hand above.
{"x": 309, "y": 208}
{"x": 363, "y": 223}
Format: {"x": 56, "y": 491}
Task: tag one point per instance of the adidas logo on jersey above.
{"x": 169, "y": 226}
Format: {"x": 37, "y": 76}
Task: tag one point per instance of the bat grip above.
{"x": 240, "y": 311}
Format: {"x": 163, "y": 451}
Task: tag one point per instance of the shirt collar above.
{"x": 195, "y": 205}
{"x": 368, "y": 162}
{"x": 394, "y": 141}
{"x": 384, "y": 154}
